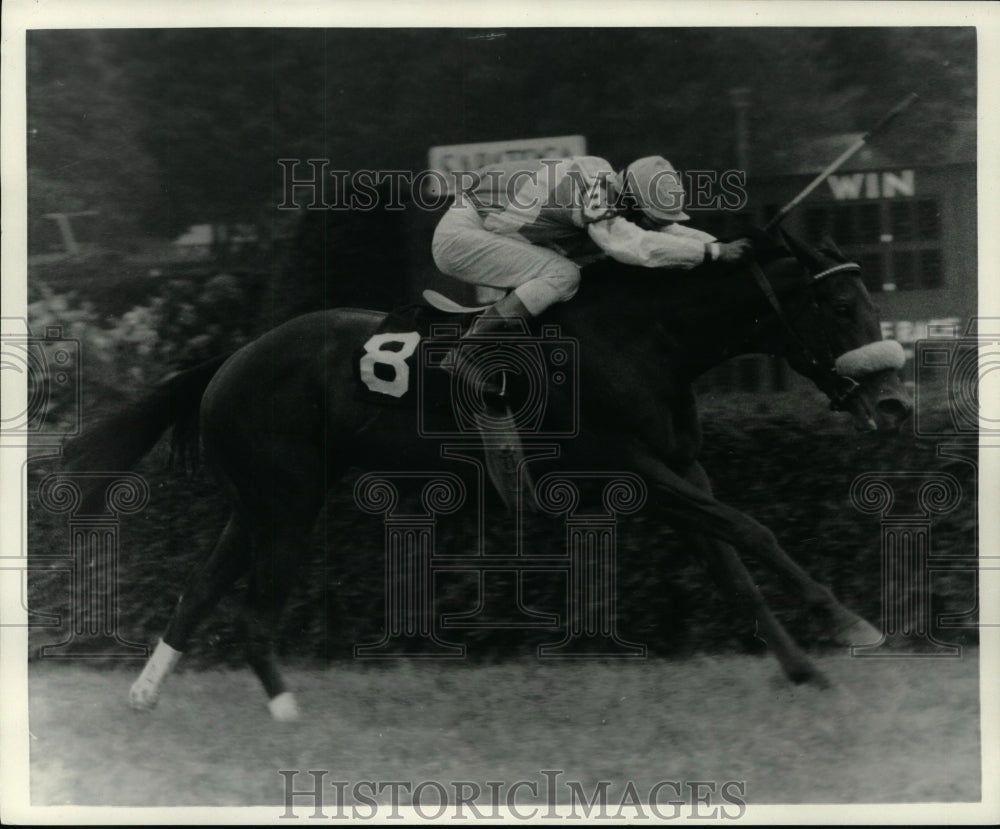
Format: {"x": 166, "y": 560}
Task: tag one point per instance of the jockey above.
{"x": 521, "y": 233}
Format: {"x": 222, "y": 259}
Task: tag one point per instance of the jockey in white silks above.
{"x": 521, "y": 233}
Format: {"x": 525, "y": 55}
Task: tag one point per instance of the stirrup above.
{"x": 502, "y": 391}
{"x": 488, "y": 387}
{"x": 491, "y": 388}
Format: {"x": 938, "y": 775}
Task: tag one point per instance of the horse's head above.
{"x": 832, "y": 335}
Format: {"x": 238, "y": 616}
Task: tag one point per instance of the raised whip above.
{"x": 857, "y": 145}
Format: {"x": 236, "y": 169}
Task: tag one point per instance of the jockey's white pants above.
{"x": 495, "y": 263}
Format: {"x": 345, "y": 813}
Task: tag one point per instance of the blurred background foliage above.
{"x": 160, "y": 128}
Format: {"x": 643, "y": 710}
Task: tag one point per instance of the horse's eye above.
{"x": 842, "y": 310}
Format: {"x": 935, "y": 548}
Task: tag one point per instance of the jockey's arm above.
{"x": 672, "y": 247}
{"x": 689, "y": 232}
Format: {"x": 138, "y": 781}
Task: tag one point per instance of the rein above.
{"x": 840, "y": 388}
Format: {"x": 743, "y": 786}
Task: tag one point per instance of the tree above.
{"x": 83, "y": 149}
{"x": 885, "y": 64}
{"x": 172, "y": 126}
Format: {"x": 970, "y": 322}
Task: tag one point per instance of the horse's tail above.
{"x": 119, "y": 441}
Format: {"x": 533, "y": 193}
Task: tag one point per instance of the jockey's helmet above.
{"x": 657, "y": 188}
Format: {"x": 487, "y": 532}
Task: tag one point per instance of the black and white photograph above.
{"x": 546, "y": 413}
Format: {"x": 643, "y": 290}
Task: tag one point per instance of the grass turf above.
{"x": 890, "y": 731}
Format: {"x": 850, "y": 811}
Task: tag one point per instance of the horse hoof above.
{"x": 143, "y": 697}
{"x": 819, "y": 680}
{"x": 858, "y": 632}
{"x": 283, "y": 707}
{"x": 807, "y": 674}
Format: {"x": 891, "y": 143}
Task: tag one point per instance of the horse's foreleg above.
{"x": 733, "y": 578}
{"x": 691, "y": 507}
{"x": 845, "y": 627}
{"x": 205, "y": 587}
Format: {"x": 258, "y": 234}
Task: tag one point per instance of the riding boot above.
{"x": 500, "y": 317}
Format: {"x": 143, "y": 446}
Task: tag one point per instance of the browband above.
{"x": 846, "y": 266}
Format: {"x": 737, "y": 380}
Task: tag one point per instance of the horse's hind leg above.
{"x": 210, "y": 579}
{"x": 282, "y": 517}
{"x": 276, "y": 555}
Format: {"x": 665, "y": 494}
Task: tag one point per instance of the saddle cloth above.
{"x": 396, "y": 367}
{"x": 386, "y": 366}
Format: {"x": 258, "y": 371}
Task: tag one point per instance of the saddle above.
{"x": 398, "y": 365}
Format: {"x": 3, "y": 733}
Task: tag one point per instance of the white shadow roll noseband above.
{"x": 870, "y": 358}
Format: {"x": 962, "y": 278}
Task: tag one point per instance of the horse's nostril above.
{"x": 894, "y": 408}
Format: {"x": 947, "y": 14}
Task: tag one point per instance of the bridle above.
{"x": 840, "y": 388}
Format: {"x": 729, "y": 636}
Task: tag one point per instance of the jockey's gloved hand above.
{"x": 732, "y": 253}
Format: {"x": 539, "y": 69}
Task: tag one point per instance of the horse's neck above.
{"x": 702, "y": 320}
{"x": 732, "y": 320}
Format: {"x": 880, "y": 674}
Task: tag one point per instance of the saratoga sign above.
{"x": 452, "y": 159}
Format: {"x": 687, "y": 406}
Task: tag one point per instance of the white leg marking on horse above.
{"x": 858, "y": 632}
{"x": 145, "y": 690}
{"x": 283, "y": 707}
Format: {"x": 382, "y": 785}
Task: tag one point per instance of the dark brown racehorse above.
{"x": 280, "y": 418}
